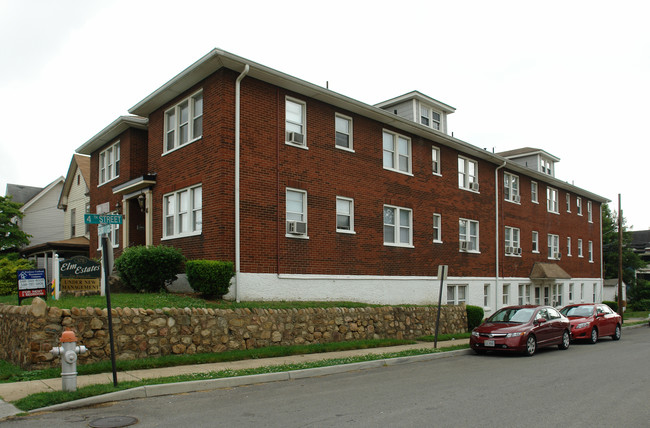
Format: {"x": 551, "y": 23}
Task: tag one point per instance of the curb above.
{"x": 211, "y": 384}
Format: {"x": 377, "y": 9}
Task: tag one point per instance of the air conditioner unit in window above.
{"x": 296, "y": 227}
{"x": 473, "y": 186}
{"x": 518, "y": 251}
{"x": 509, "y": 250}
{"x": 295, "y": 138}
{"x": 516, "y": 198}
{"x": 465, "y": 245}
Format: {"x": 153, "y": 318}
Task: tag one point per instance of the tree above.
{"x": 631, "y": 260}
{"x": 11, "y": 237}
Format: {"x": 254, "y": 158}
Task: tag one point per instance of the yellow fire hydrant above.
{"x": 68, "y": 352}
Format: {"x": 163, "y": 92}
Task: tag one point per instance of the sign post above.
{"x": 442, "y": 274}
{"x": 105, "y": 220}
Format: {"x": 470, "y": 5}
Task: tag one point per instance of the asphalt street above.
{"x": 606, "y": 384}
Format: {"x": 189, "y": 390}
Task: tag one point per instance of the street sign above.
{"x": 102, "y": 219}
{"x": 103, "y": 229}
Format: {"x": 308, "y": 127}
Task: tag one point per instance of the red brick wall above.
{"x": 269, "y": 166}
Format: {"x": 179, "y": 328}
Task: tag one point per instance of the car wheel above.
{"x": 617, "y": 333}
{"x": 593, "y": 338}
{"x": 531, "y": 346}
{"x": 566, "y": 341}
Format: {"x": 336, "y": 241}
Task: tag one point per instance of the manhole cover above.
{"x": 113, "y": 422}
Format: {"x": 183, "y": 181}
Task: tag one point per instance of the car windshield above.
{"x": 515, "y": 315}
{"x": 577, "y": 311}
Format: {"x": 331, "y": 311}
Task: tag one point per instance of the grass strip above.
{"x": 44, "y": 399}
{"x": 442, "y": 337}
{"x": 12, "y": 373}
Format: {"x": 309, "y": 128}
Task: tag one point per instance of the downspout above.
{"x": 496, "y": 222}
{"x": 602, "y": 281}
{"x": 237, "y": 167}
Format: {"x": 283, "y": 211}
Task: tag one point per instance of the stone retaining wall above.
{"x": 28, "y": 333}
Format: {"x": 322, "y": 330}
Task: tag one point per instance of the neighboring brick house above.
{"x": 317, "y": 196}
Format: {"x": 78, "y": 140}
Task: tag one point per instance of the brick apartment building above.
{"x": 317, "y": 196}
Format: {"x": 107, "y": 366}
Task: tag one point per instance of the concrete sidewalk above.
{"x": 14, "y": 391}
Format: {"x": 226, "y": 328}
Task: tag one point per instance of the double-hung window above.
{"x": 486, "y": 295}
{"x": 535, "y": 241}
{"x": 398, "y": 226}
{"x": 437, "y": 228}
{"x": 553, "y": 247}
{"x": 73, "y": 222}
{"x": 456, "y": 294}
{"x": 343, "y": 125}
{"x": 467, "y": 174}
{"x": 579, "y": 205}
{"x": 295, "y": 119}
{"x": 344, "y": 214}
{"x": 184, "y": 122}
{"x": 568, "y": 202}
{"x": 551, "y": 200}
{"x": 512, "y": 241}
{"x": 505, "y": 295}
{"x": 429, "y": 117}
{"x": 296, "y": 214}
{"x": 568, "y": 246}
{"x": 590, "y": 248}
{"x": 397, "y": 152}
{"x": 468, "y": 235}
{"x": 589, "y": 212}
{"x": 511, "y": 187}
{"x": 534, "y": 192}
{"x": 435, "y": 160}
{"x": 183, "y": 211}
{"x": 109, "y": 163}
{"x": 580, "y": 248}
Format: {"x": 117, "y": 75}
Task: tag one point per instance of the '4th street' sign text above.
{"x": 102, "y": 219}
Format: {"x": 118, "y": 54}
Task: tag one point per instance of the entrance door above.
{"x": 137, "y": 235}
{"x": 547, "y": 295}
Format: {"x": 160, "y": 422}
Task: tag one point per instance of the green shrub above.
{"x": 211, "y": 278}
{"x": 611, "y": 304}
{"x": 474, "y": 316}
{"x": 8, "y": 279}
{"x": 149, "y": 269}
{"x": 640, "y": 305}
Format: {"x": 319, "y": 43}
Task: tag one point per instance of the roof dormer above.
{"x": 532, "y": 158}
{"x": 419, "y": 108}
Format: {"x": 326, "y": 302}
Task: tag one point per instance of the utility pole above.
{"x": 620, "y": 257}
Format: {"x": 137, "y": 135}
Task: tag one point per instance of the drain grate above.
{"x": 113, "y": 422}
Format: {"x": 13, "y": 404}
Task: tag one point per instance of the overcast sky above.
{"x": 569, "y": 77}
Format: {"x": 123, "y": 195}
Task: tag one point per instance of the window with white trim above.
{"x": 534, "y": 192}
{"x": 554, "y": 247}
{"x": 557, "y": 293}
{"x": 546, "y": 167}
{"x": 468, "y": 235}
{"x": 456, "y": 294}
{"x": 184, "y": 122}
{"x": 589, "y": 212}
{"x": 429, "y": 117}
{"x": 568, "y": 246}
{"x": 568, "y": 202}
{"x": 343, "y": 125}
{"x": 511, "y": 187}
{"x": 296, "y": 213}
{"x": 535, "y": 241}
{"x": 512, "y": 241}
{"x": 397, "y": 152}
{"x": 580, "y": 248}
{"x": 570, "y": 292}
{"x": 579, "y": 205}
{"x": 582, "y": 292}
{"x": 551, "y": 200}
{"x": 113, "y": 236}
{"x": 486, "y": 295}
{"x": 183, "y": 211}
{"x": 590, "y": 248}
{"x": 73, "y": 223}
{"x": 467, "y": 174}
{"x": 344, "y": 214}
{"x": 437, "y": 228}
{"x": 505, "y": 295}
{"x": 295, "y": 114}
{"x": 435, "y": 160}
{"x": 398, "y": 230}
{"x": 109, "y": 163}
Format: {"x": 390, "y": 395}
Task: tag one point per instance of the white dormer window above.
{"x": 546, "y": 167}
{"x": 429, "y": 117}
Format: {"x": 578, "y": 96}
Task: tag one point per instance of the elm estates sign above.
{"x": 80, "y": 274}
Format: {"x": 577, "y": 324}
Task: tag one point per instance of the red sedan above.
{"x": 592, "y": 320}
{"x": 521, "y": 329}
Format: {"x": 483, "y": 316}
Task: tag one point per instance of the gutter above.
{"x": 237, "y": 170}
{"x": 496, "y": 222}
